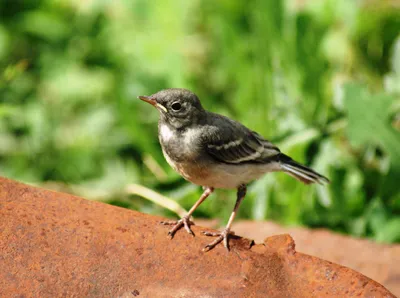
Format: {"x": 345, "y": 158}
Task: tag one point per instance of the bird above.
{"x": 216, "y": 152}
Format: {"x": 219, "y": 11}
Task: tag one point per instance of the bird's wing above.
{"x": 231, "y": 142}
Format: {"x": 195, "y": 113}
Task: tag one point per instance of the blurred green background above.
{"x": 319, "y": 78}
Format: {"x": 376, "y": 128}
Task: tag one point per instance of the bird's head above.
{"x": 178, "y": 107}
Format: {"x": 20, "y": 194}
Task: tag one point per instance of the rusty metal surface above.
{"x": 358, "y": 254}
{"x": 58, "y": 245}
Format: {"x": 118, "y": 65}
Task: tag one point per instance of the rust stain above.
{"x": 54, "y": 244}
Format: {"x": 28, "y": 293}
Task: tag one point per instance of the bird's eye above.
{"x": 176, "y": 106}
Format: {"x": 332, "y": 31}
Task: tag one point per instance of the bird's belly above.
{"x": 232, "y": 176}
{"x": 189, "y": 169}
{"x": 218, "y": 175}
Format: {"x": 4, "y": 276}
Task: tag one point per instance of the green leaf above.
{"x": 368, "y": 118}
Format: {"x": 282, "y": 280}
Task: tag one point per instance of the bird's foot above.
{"x": 183, "y": 222}
{"x": 222, "y": 236}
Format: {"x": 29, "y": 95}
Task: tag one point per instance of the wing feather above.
{"x": 231, "y": 142}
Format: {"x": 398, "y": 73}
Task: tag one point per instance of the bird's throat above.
{"x": 166, "y": 133}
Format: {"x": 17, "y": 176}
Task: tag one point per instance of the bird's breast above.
{"x": 183, "y": 152}
{"x": 187, "y": 165}
{"x": 179, "y": 146}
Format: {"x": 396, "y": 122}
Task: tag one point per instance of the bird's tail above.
{"x": 300, "y": 172}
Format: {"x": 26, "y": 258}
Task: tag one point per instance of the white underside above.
{"x": 231, "y": 176}
{"x": 220, "y": 175}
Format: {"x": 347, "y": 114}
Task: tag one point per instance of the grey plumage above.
{"x": 230, "y": 142}
{"x": 249, "y": 147}
{"x": 220, "y": 139}
{"x": 214, "y": 151}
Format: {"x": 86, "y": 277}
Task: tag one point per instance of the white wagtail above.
{"x": 214, "y": 151}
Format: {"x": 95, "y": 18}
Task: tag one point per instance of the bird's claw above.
{"x": 222, "y": 236}
{"x": 183, "y": 222}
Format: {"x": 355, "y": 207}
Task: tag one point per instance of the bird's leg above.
{"x": 224, "y": 235}
{"x": 185, "y": 221}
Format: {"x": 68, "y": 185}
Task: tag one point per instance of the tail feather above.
{"x": 300, "y": 172}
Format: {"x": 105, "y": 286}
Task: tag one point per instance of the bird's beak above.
{"x": 153, "y": 102}
{"x": 148, "y": 99}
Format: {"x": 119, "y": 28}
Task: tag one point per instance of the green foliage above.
{"x": 319, "y": 78}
